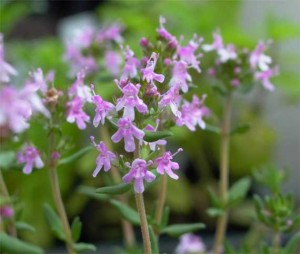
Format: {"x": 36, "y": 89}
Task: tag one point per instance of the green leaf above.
{"x": 240, "y": 129}
{"x": 212, "y": 128}
{"x": 13, "y": 245}
{"x": 214, "y": 212}
{"x": 165, "y": 217}
{"x": 228, "y": 248}
{"x": 152, "y": 136}
{"x": 82, "y": 247}
{"x": 292, "y": 244}
{"x": 7, "y": 159}
{"x": 216, "y": 201}
{"x": 153, "y": 239}
{"x": 75, "y": 156}
{"x": 127, "y": 212}
{"x": 179, "y": 229}
{"x": 54, "y": 222}
{"x": 91, "y": 192}
{"x": 239, "y": 190}
{"x": 115, "y": 189}
{"x": 76, "y": 229}
{"x": 21, "y": 225}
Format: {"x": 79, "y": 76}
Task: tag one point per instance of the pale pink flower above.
{"x": 258, "y": 59}
{"x": 160, "y": 142}
{"x": 76, "y": 114}
{"x": 190, "y": 244}
{"x": 216, "y": 45}
{"x": 79, "y": 89}
{"x": 131, "y": 64}
{"x": 164, "y": 33}
{"x": 127, "y": 131}
{"x": 148, "y": 72}
{"x": 104, "y": 159}
{"x": 180, "y": 76}
{"x": 264, "y": 77}
{"x": 138, "y": 172}
{"x": 31, "y": 157}
{"x": 171, "y": 98}
{"x": 113, "y": 61}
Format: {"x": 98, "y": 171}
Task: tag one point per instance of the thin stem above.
{"x": 144, "y": 224}
{"x": 57, "y": 196}
{"x": 127, "y": 227}
{"x": 276, "y": 242}
{"x": 224, "y": 165}
{"x": 3, "y": 189}
{"x": 161, "y": 200}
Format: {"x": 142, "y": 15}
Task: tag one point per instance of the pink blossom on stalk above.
{"x": 192, "y": 114}
{"x": 160, "y": 142}
{"x": 76, "y": 114}
{"x": 187, "y": 53}
{"x": 31, "y": 157}
{"x": 104, "y": 159}
{"x": 6, "y": 211}
{"x": 264, "y": 77}
{"x": 111, "y": 33}
{"x": 216, "y": 45}
{"x": 5, "y": 68}
{"x": 39, "y": 80}
{"x": 127, "y": 131}
{"x": 190, "y": 244}
{"x": 258, "y": 59}
{"x": 131, "y": 64}
{"x": 113, "y": 62}
{"x": 171, "y": 98}
{"x": 148, "y": 72}
{"x": 235, "y": 82}
{"x": 103, "y": 108}
{"x": 180, "y": 76}
{"x": 130, "y": 100}
{"x": 164, "y": 33}
{"x": 165, "y": 165}
{"x": 138, "y": 172}
{"x": 79, "y": 89}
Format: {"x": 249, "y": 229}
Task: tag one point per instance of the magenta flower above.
{"x": 171, "y": 98}
{"x": 192, "y": 114}
{"x": 130, "y": 100}
{"x": 190, "y": 244}
{"x": 5, "y": 68}
{"x": 127, "y": 131}
{"x": 113, "y": 62}
{"x": 76, "y": 114}
{"x": 180, "y": 76}
{"x": 187, "y": 54}
{"x": 6, "y": 211}
{"x": 138, "y": 173}
{"x": 31, "y": 157}
{"x": 160, "y": 142}
{"x": 164, "y": 33}
{"x": 131, "y": 64}
{"x": 165, "y": 165}
{"x": 148, "y": 73}
{"x": 103, "y": 108}
{"x": 264, "y": 77}
{"x": 104, "y": 159}
{"x": 258, "y": 59}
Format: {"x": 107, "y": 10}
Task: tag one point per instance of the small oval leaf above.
{"x": 152, "y": 136}
{"x": 127, "y": 212}
{"x": 179, "y": 229}
{"x": 74, "y": 156}
{"x": 84, "y": 247}
{"x": 115, "y": 189}
{"x": 76, "y": 229}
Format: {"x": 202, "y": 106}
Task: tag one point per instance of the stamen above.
{"x": 92, "y": 138}
{"x": 178, "y": 151}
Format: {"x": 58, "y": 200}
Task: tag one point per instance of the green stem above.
{"x": 224, "y": 174}
{"x": 57, "y": 196}
{"x": 3, "y": 189}
{"x": 161, "y": 200}
{"x": 141, "y": 209}
{"x": 276, "y": 242}
{"x": 127, "y": 227}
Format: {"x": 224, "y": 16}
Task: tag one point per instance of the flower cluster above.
{"x": 240, "y": 66}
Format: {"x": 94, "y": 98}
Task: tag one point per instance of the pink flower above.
{"x": 180, "y": 76}
{"x": 79, "y": 89}
{"x": 192, "y": 114}
{"x": 6, "y": 211}
{"x": 39, "y": 80}
{"x": 103, "y": 108}
{"x": 160, "y": 142}
{"x": 171, "y": 98}
{"x": 76, "y": 114}
{"x": 104, "y": 159}
{"x": 187, "y": 54}
{"x": 131, "y": 64}
{"x": 113, "y": 62}
{"x": 164, "y": 33}
{"x": 111, "y": 33}
{"x": 130, "y": 100}
{"x": 127, "y": 131}
{"x": 190, "y": 244}
{"x": 31, "y": 157}
{"x": 138, "y": 173}
{"x": 5, "y": 68}
{"x": 165, "y": 165}
{"x": 264, "y": 77}
{"x": 258, "y": 59}
{"x": 148, "y": 73}
{"x": 235, "y": 82}
{"x": 216, "y": 45}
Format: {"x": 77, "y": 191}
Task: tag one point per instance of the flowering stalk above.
{"x": 276, "y": 242}
{"x": 224, "y": 164}
{"x": 3, "y": 189}
{"x": 57, "y": 194}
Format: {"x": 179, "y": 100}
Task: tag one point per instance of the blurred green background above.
{"x": 32, "y": 34}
